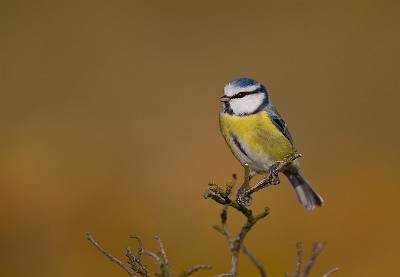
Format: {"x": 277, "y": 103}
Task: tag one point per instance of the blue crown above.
{"x": 243, "y": 82}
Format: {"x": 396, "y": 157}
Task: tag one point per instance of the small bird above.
{"x": 259, "y": 137}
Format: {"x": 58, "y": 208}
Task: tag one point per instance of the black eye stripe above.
{"x": 245, "y": 93}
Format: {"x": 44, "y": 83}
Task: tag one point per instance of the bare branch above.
{"x": 164, "y": 263}
{"x": 330, "y": 272}
{"x": 223, "y": 229}
{"x": 224, "y": 275}
{"x": 224, "y": 232}
{"x": 299, "y": 259}
{"x": 108, "y": 255}
{"x": 255, "y": 261}
{"x": 316, "y": 250}
{"x": 194, "y": 269}
{"x": 224, "y": 215}
{"x": 162, "y": 250}
{"x": 151, "y": 254}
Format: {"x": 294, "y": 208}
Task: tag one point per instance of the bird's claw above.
{"x": 241, "y": 198}
{"x": 274, "y": 174}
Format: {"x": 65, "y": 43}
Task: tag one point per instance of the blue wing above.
{"x": 279, "y": 123}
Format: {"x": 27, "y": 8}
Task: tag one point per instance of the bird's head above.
{"x": 244, "y": 96}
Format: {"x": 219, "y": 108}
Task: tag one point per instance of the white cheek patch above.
{"x": 248, "y": 104}
{"x": 230, "y": 90}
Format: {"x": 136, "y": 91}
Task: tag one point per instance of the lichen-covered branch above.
{"x": 222, "y": 196}
{"x": 108, "y": 255}
{"x": 137, "y": 264}
{"x": 238, "y": 243}
{"x": 299, "y": 259}
{"x": 136, "y": 260}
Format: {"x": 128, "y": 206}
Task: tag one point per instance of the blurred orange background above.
{"x": 109, "y": 124}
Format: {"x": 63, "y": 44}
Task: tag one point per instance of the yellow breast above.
{"x": 257, "y": 133}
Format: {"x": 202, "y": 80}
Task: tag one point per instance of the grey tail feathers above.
{"x": 306, "y": 195}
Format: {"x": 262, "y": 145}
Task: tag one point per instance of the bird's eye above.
{"x": 240, "y": 95}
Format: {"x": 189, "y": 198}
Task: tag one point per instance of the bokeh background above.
{"x": 109, "y": 124}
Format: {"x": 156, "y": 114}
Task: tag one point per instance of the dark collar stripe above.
{"x": 239, "y": 146}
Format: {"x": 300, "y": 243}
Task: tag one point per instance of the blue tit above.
{"x": 258, "y": 136}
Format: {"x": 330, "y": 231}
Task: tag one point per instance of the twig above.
{"x": 223, "y": 229}
{"x": 330, "y": 272}
{"x": 164, "y": 263}
{"x": 255, "y": 261}
{"x": 233, "y": 182}
{"x": 299, "y": 259}
{"x": 108, "y": 255}
{"x": 136, "y": 262}
{"x": 162, "y": 250}
{"x": 251, "y": 220}
{"x": 194, "y": 269}
{"x": 151, "y": 254}
{"x": 224, "y": 275}
{"x": 316, "y": 250}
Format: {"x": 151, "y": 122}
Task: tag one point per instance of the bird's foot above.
{"x": 274, "y": 174}
{"x": 242, "y": 198}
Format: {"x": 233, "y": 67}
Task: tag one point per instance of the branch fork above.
{"x": 243, "y": 199}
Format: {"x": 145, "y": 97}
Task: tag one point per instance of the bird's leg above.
{"x": 274, "y": 173}
{"x": 241, "y": 198}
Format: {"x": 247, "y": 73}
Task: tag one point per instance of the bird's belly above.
{"x": 254, "y": 140}
{"x": 259, "y": 162}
